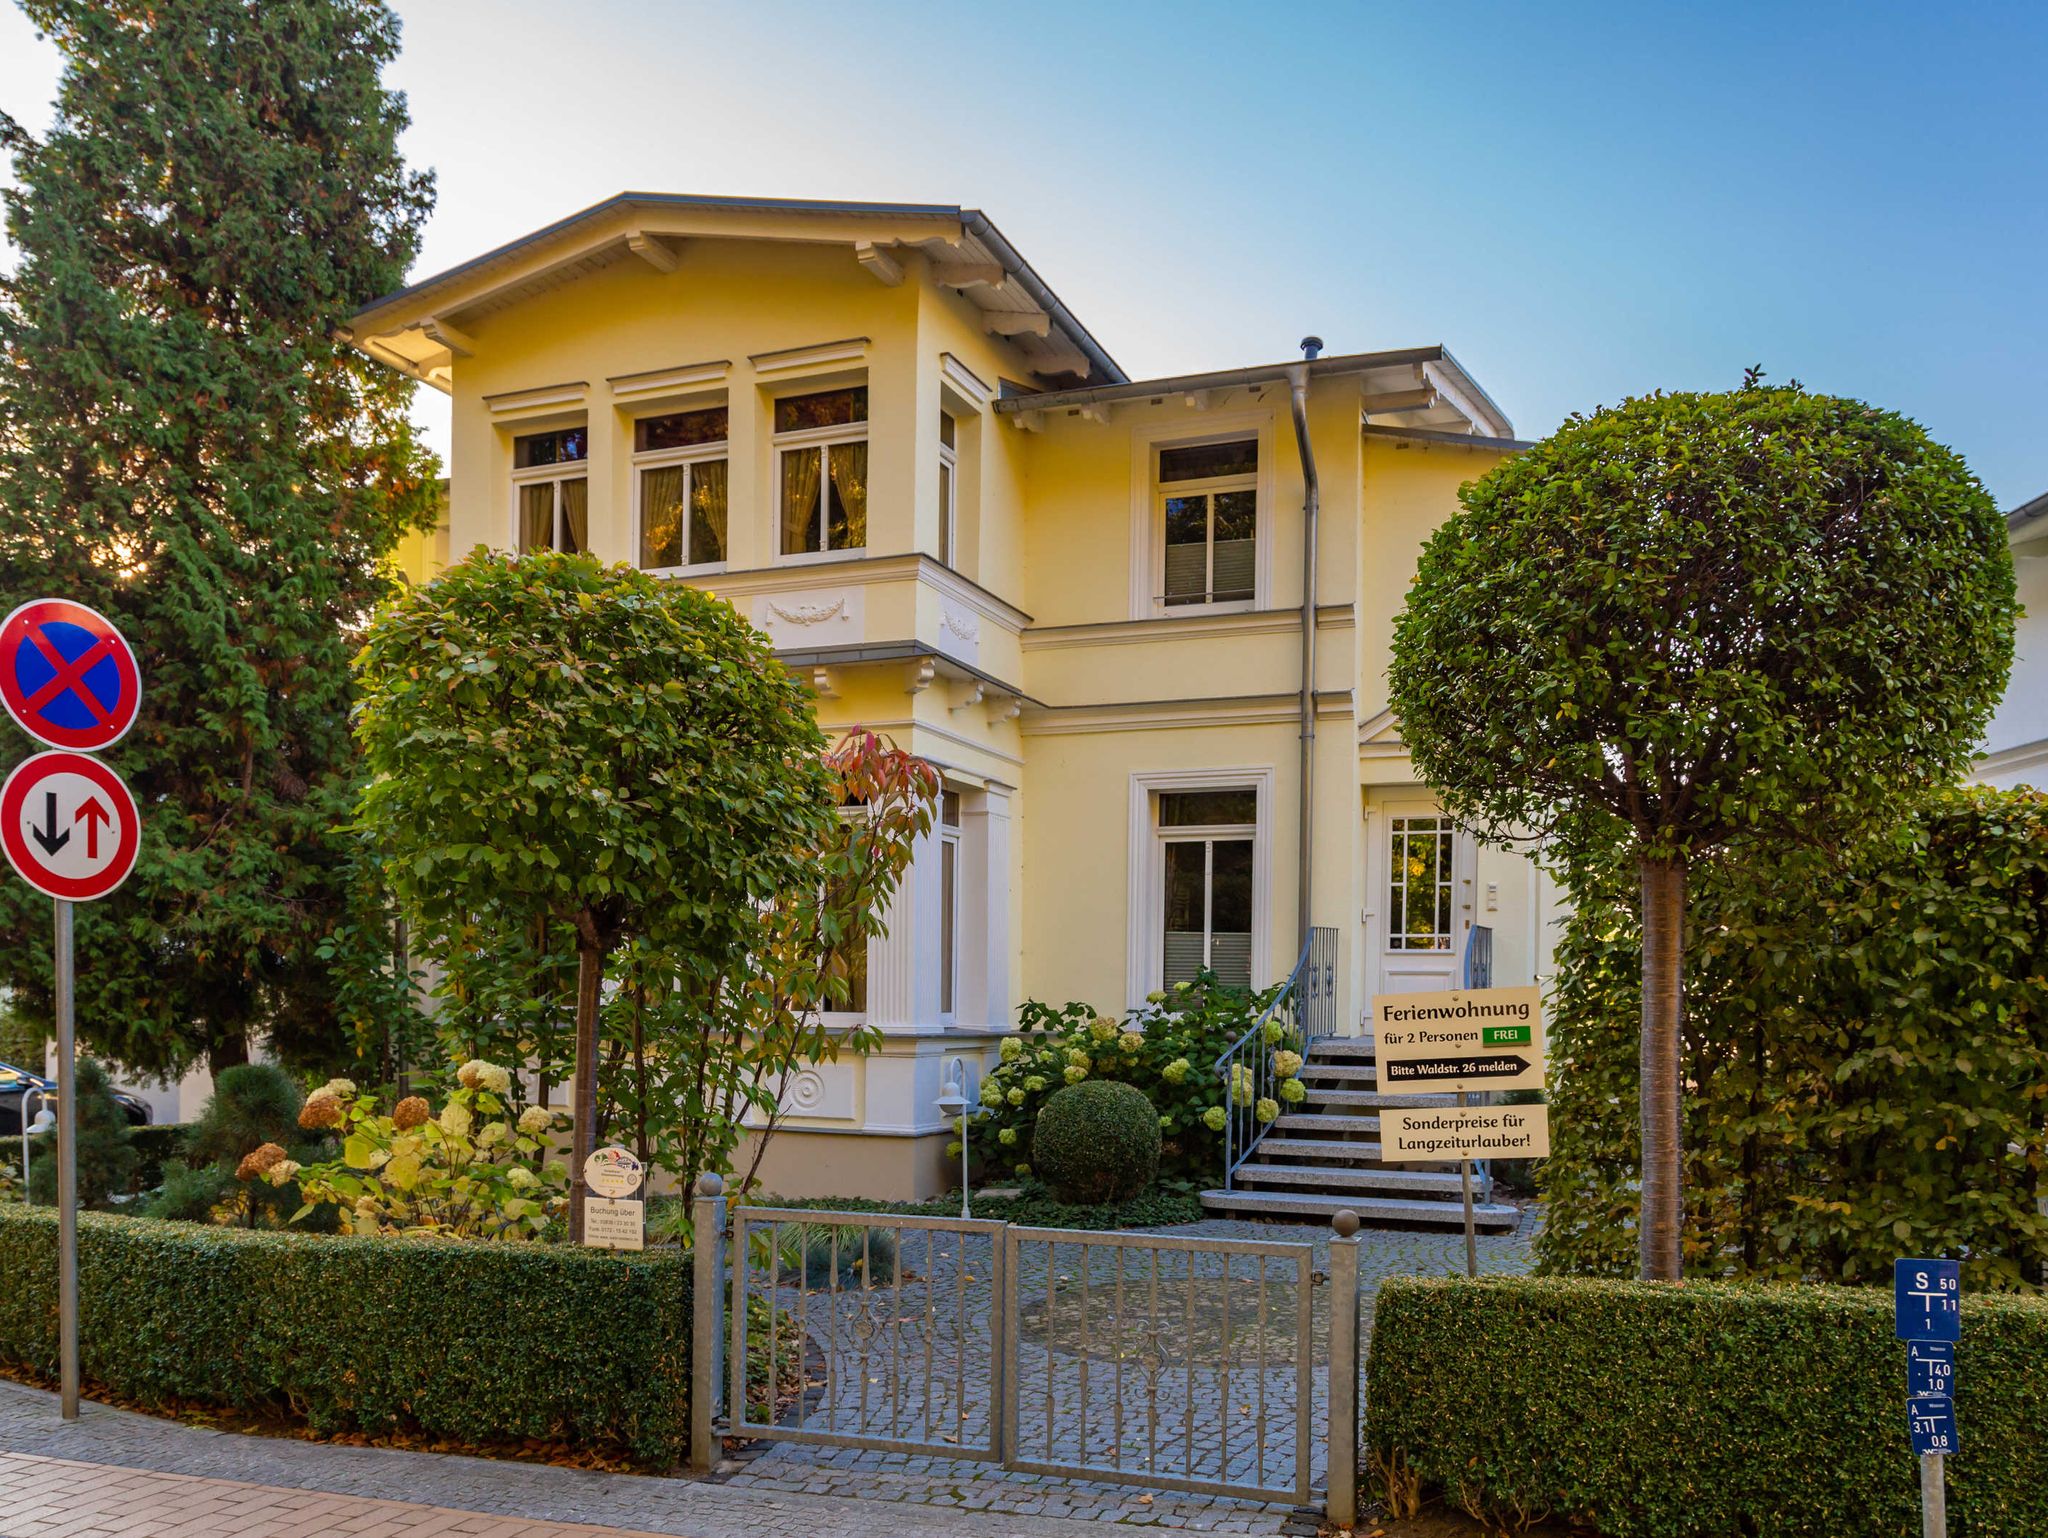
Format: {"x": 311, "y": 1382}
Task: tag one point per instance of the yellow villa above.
{"x": 1085, "y": 598}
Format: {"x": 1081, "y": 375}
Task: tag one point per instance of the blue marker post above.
{"x": 1927, "y": 1297}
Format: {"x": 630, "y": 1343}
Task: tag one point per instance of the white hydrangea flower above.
{"x": 282, "y": 1171}
{"x": 494, "y": 1077}
{"x": 522, "y": 1178}
{"x": 536, "y": 1119}
{"x": 341, "y": 1089}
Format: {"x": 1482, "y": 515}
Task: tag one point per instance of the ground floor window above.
{"x": 1206, "y": 864}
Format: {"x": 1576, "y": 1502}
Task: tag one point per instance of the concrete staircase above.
{"x": 1324, "y": 1155}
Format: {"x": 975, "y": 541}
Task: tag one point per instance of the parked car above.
{"x": 15, "y": 1083}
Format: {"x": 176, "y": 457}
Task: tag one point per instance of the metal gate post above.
{"x": 1003, "y": 1345}
{"x": 1343, "y": 1478}
{"x": 707, "y": 1324}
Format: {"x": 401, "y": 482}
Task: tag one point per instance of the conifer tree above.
{"x": 187, "y": 446}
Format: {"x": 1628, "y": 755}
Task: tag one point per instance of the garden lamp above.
{"x": 43, "y": 1123}
{"x": 953, "y": 1103}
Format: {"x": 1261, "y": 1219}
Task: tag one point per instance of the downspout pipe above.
{"x": 1311, "y": 507}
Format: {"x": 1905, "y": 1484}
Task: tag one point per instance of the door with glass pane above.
{"x": 1422, "y": 876}
{"x": 1206, "y": 839}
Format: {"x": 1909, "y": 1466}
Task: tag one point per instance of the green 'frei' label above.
{"x": 1506, "y": 1036}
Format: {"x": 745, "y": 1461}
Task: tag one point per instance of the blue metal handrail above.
{"x": 1309, "y": 999}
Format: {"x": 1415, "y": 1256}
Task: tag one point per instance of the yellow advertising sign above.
{"x": 1470, "y": 1039}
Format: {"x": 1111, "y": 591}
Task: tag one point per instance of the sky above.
{"x": 1583, "y": 202}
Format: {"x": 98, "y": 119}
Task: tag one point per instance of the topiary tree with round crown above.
{"x": 1695, "y": 620}
{"x": 554, "y": 741}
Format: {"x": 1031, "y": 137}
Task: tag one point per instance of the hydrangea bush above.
{"x": 1167, "y": 1047}
{"x": 477, "y": 1170}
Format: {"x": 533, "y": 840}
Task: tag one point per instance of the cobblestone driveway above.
{"x": 1193, "y": 1394}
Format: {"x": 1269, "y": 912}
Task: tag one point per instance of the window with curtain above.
{"x": 679, "y": 465}
{"x": 550, "y": 490}
{"x": 1209, "y": 510}
{"x": 821, "y": 441}
{"x": 1206, "y": 865}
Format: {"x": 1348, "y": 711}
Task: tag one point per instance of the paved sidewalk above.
{"x": 166, "y": 1480}
{"x": 46, "y": 1497}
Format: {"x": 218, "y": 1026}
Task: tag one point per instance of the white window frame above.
{"x": 949, "y": 975}
{"x": 847, "y": 1019}
{"x": 821, "y": 439}
{"x": 1148, "y": 510}
{"x": 688, "y": 455}
{"x": 949, "y": 495}
{"x": 565, "y": 470}
{"x": 1145, "y": 935}
{"x": 1446, "y": 886}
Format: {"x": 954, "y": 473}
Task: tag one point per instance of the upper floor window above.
{"x": 550, "y": 483}
{"x": 822, "y": 441}
{"x": 679, "y": 465}
{"x": 1209, "y": 505}
{"x": 949, "y": 478}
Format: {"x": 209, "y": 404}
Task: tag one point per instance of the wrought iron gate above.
{"x": 886, "y": 1323}
{"x": 1148, "y": 1359}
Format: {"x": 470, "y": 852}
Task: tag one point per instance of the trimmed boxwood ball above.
{"x": 1097, "y": 1142}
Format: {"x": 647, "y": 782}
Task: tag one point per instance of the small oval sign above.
{"x": 612, "y": 1172}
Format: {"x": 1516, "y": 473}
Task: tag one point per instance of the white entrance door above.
{"x": 1420, "y": 905}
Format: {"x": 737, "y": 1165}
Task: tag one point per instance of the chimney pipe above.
{"x": 1311, "y": 347}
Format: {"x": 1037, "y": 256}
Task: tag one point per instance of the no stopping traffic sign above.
{"x": 67, "y": 675}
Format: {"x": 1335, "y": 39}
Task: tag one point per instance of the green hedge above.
{"x": 477, "y": 1343}
{"x": 1701, "y": 1411}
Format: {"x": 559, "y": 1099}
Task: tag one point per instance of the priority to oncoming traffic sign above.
{"x": 69, "y": 826}
{"x": 67, "y": 675}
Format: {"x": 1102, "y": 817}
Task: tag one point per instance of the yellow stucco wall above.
{"x": 1052, "y": 676}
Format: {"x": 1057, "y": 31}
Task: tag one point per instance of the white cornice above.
{"x": 1128, "y": 632}
{"x": 965, "y": 380}
{"x": 865, "y": 570}
{"x": 540, "y": 398}
{"x": 662, "y": 381}
{"x": 2022, "y": 755}
{"x": 809, "y": 359}
{"x": 1171, "y": 715}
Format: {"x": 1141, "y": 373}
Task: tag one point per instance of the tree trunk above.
{"x": 1657, "y": 1229}
{"x": 227, "y": 1052}
{"x": 583, "y": 1092}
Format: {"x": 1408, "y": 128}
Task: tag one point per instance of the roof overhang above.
{"x": 2027, "y": 524}
{"x": 420, "y": 329}
{"x": 1421, "y": 388}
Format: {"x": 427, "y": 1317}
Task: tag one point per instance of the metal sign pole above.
{"x": 1933, "y": 1497}
{"x": 1465, "y": 1181}
{"x": 67, "y": 1170}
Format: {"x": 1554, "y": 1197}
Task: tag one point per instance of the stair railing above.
{"x": 1305, "y": 1009}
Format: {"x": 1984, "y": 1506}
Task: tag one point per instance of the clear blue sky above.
{"x": 1583, "y": 202}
